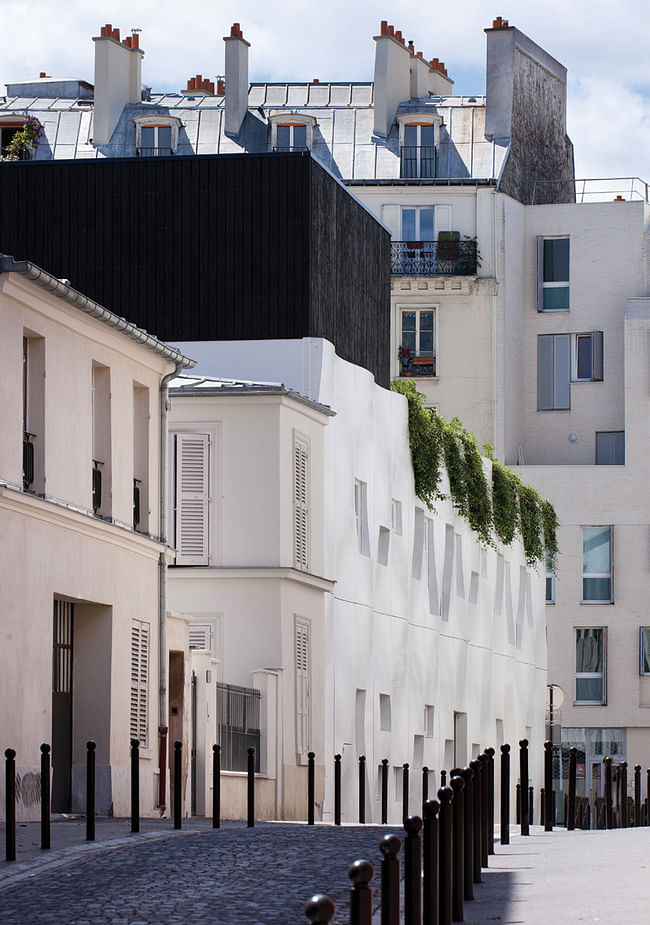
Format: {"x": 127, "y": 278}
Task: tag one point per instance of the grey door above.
{"x": 62, "y": 662}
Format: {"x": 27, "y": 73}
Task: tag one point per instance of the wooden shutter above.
{"x": 303, "y": 687}
{"x": 597, "y": 356}
{"x": 301, "y": 502}
{"x": 139, "y": 718}
{"x": 192, "y": 496}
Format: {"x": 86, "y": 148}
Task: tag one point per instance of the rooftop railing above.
{"x": 594, "y": 189}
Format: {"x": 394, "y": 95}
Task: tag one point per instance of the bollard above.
{"x": 412, "y": 871}
{"x": 90, "y": 790}
{"x": 251, "y": 786}
{"x": 571, "y": 813}
{"x": 483, "y": 758}
{"x": 216, "y": 786}
{"x": 310, "y": 788}
{"x": 548, "y": 786}
{"x": 475, "y": 765}
{"x": 607, "y": 761}
{"x": 320, "y": 910}
{"x": 523, "y": 779}
{"x": 337, "y": 790}
{"x": 45, "y": 796}
{"x": 135, "y": 785}
{"x": 443, "y": 778}
{"x": 623, "y": 820}
{"x": 458, "y": 849}
{"x": 362, "y": 789}
{"x": 384, "y": 790}
{"x": 405, "y": 792}
{"x": 505, "y": 794}
{"x": 468, "y": 833}
{"x": 430, "y": 865}
{"x": 10, "y": 804}
{"x": 637, "y": 795}
{"x": 518, "y": 801}
{"x": 361, "y": 873}
{"x": 490, "y": 754}
{"x": 445, "y": 895}
{"x": 425, "y": 785}
{"x": 178, "y": 759}
{"x": 531, "y": 806}
{"x": 389, "y": 847}
{"x": 542, "y": 806}
{"x": 647, "y": 797}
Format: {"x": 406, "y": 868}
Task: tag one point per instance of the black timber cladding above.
{"x": 216, "y": 247}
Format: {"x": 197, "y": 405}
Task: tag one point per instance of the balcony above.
{"x": 434, "y": 258}
{"x": 97, "y": 485}
{"x": 154, "y": 152}
{"x": 28, "y": 460}
{"x": 418, "y": 162}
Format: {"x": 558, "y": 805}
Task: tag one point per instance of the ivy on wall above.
{"x": 499, "y": 511}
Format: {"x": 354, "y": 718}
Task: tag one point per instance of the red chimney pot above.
{"x": 115, "y": 34}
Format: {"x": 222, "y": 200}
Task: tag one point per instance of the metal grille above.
{"x": 62, "y": 648}
{"x": 429, "y": 258}
{"x": 239, "y": 725}
{"x": 97, "y": 486}
{"x": 28, "y": 461}
{"x": 154, "y": 152}
{"x": 418, "y": 161}
{"x": 136, "y": 503}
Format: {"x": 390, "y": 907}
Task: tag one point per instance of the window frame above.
{"x": 361, "y": 516}
{"x": 608, "y": 433}
{"x": 599, "y": 575}
{"x": 592, "y": 675}
{"x": 544, "y": 285}
{"x": 155, "y": 122}
{"x": 405, "y": 362}
{"x": 292, "y": 119}
{"x": 596, "y": 341}
{"x": 550, "y": 583}
{"x": 642, "y": 673}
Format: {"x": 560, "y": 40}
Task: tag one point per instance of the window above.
{"x": 140, "y": 458}
{"x": 418, "y": 153}
{"x": 238, "y": 709}
{"x": 385, "y": 722}
{"x": 102, "y": 457}
{"x": 396, "y": 517}
{"x": 139, "y": 715}
{"x": 644, "y": 651}
{"x": 588, "y": 357}
{"x": 155, "y": 141}
{"x": 597, "y": 565}
{"x": 201, "y": 637}
{"x": 291, "y": 137}
{"x": 33, "y": 412}
{"x": 550, "y": 582}
{"x": 610, "y": 448}
{"x": 429, "y": 717}
{"x": 417, "y": 224}
{"x": 301, "y": 501}
{"x": 303, "y": 686}
{"x": 591, "y": 661}
{"x": 553, "y": 372}
{"x": 361, "y": 515}
{"x": 417, "y": 353}
{"x": 552, "y": 274}
{"x": 190, "y": 471}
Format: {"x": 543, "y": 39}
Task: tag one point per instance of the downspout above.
{"x": 163, "y": 723}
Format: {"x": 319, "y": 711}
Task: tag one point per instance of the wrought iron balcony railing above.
{"x": 434, "y": 258}
{"x": 28, "y": 460}
{"x": 154, "y": 152}
{"x": 97, "y": 485}
{"x": 418, "y": 162}
{"x": 288, "y": 149}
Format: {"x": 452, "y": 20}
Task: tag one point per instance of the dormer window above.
{"x": 419, "y": 137}
{"x": 156, "y": 136}
{"x": 291, "y": 131}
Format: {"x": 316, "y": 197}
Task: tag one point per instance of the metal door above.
{"x": 62, "y": 666}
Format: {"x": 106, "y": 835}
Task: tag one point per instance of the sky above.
{"x": 604, "y": 46}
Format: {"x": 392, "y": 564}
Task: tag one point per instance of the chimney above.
{"x": 419, "y": 76}
{"x": 236, "y": 79}
{"x": 392, "y": 77}
{"x": 440, "y": 84}
{"x": 118, "y": 80}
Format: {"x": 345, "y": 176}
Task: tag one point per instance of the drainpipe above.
{"x": 163, "y": 725}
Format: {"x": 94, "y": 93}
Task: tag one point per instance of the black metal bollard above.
{"x": 45, "y": 796}
{"x": 384, "y": 790}
{"x": 361, "y": 873}
{"x": 311, "y": 790}
{"x": 135, "y": 785}
{"x": 337, "y": 790}
{"x": 362, "y": 789}
{"x": 251, "y": 787}
{"x": 320, "y": 910}
{"x": 425, "y": 785}
{"x": 623, "y": 820}
{"x": 609, "y": 820}
{"x": 571, "y": 811}
{"x": 10, "y": 804}
{"x": 542, "y": 806}
{"x": 518, "y": 802}
{"x": 216, "y": 786}
{"x": 430, "y": 865}
{"x": 548, "y": 786}
{"x": 405, "y": 792}
{"x": 468, "y": 833}
{"x": 389, "y": 847}
{"x": 523, "y": 780}
{"x": 443, "y": 778}
{"x": 412, "y": 871}
{"x": 505, "y": 794}
{"x": 445, "y": 894}
{"x": 490, "y": 753}
{"x": 485, "y": 822}
{"x": 647, "y": 797}
{"x": 637, "y": 795}
{"x": 90, "y": 790}
{"x": 476, "y": 766}
{"x": 458, "y": 849}
{"x": 531, "y": 805}
{"x": 178, "y": 761}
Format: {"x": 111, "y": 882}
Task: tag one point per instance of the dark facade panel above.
{"x": 209, "y": 248}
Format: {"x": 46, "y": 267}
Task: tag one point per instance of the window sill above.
{"x": 588, "y": 703}
{"x": 597, "y": 603}
{"x": 434, "y": 378}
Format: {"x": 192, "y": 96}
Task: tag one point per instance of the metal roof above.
{"x": 214, "y": 385}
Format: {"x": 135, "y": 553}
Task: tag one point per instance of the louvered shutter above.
{"x": 192, "y": 496}
{"x": 303, "y": 688}
{"x": 301, "y": 503}
{"x": 201, "y": 637}
{"x": 139, "y": 715}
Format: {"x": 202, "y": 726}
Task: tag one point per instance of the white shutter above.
{"x": 192, "y": 495}
{"x": 201, "y": 637}
{"x": 139, "y": 715}
{"x": 390, "y": 216}
{"x": 301, "y": 502}
{"x": 443, "y": 219}
{"x": 303, "y": 687}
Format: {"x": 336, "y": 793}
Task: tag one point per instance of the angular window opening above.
{"x": 140, "y": 458}
{"x": 361, "y": 516}
{"x": 644, "y": 651}
{"x": 588, "y": 357}
{"x": 591, "y": 661}
{"x": 597, "y": 565}
{"x": 385, "y": 722}
{"x": 610, "y": 448}
{"x": 101, "y": 459}
{"x": 552, "y": 274}
{"x": 33, "y": 413}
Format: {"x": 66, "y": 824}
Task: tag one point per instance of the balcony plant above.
{"x": 24, "y": 141}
